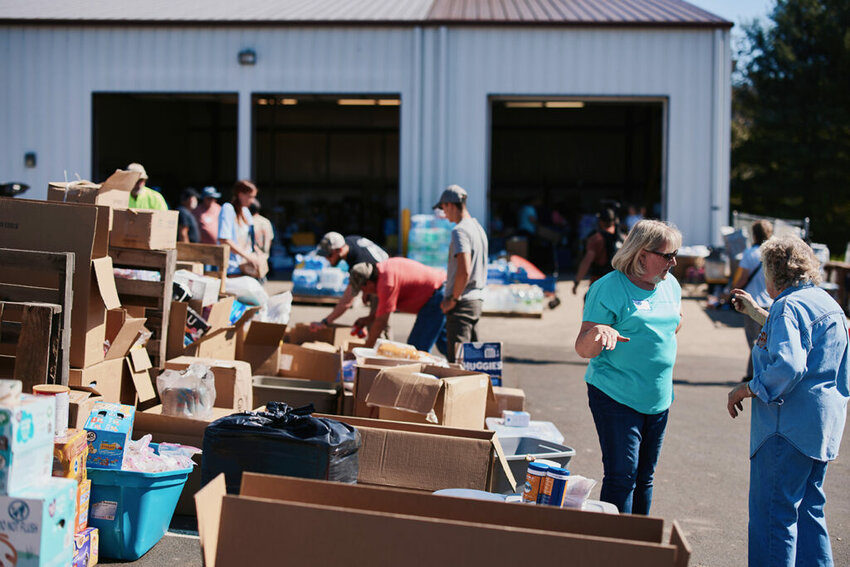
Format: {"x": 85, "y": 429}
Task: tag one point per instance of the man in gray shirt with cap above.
{"x": 466, "y": 273}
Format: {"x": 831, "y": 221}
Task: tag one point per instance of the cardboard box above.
{"x": 219, "y": 342}
{"x": 82, "y": 400}
{"x": 37, "y": 525}
{"x": 67, "y": 227}
{"x": 182, "y": 430}
{"x": 109, "y": 428}
{"x": 428, "y": 457}
{"x": 363, "y": 378}
{"x": 86, "y": 548}
{"x": 194, "y": 267}
{"x": 69, "y": 455}
{"x": 482, "y": 357}
{"x": 395, "y": 527}
{"x": 457, "y": 398}
{"x": 260, "y": 347}
{"x": 144, "y": 229}
{"x": 233, "y": 387}
{"x": 26, "y": 456}
{"x": 512, "y": 399}
{"x": 114, "y": 192}
{"x": 336, "y": 335}
{"x": 301, "y": 362}
{"x": 105, "y": 378}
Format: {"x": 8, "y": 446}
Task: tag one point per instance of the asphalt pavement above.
{"x": 703, "y": 473}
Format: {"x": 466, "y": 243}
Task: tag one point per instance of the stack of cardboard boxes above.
{"x": 37, "y": 510}
{"x": 70, "y": 453}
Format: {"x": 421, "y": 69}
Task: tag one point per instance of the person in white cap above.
{"x": 354, "y": 250}
{"x": 142, "y": 197}
{"x": 467, "y": 270}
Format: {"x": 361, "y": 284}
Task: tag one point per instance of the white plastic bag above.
{"x": 247, "y": 290}
{"x": 577, "y": 491}
{"x": 187, "y": 393}
{"x": 276, "y": 309}
{"x": 139, "y": 456}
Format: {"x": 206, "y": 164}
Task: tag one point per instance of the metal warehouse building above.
{"x": 345, "y": 112}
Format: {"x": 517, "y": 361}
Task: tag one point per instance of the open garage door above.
{"x": 183, "y": 140}
{"x": 573, "y": 156}
{"x": 329, "y": 163}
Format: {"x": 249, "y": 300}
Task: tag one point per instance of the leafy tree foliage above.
{"x": 791, "y": 118}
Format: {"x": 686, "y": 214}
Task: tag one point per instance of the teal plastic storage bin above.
{"x": 132, "y": 510}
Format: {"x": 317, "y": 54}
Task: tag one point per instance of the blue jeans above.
{"x": 430, "y": 325}
{"x": 630, "y": 443}
{"x": 787, "y": 525}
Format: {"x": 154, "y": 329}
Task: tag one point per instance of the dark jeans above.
{"x": 460, "y": 324}
{"x": 630, "y": 442}
{"x": 430, "y": 325}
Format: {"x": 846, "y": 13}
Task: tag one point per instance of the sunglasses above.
{"x": 670, "y": 256}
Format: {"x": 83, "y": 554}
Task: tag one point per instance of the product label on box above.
{"x": 482, "y": 357}
{"x": 104, "y": 510}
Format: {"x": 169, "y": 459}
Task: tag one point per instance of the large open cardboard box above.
{"x": 458, "y": 398}
{"x": 114, "y": 192}
{"x": 391, "y": 527}
{"x": 427, "y": 457}
{"x": 219, "y": 341}
{"x": 260, "y": 347}
{"x": 311, "y": 364}
{"x": 336, "y": 335}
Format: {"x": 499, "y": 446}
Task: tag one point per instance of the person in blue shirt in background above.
{"x": 631, "y": 317}
{"x": 800, "y": 392}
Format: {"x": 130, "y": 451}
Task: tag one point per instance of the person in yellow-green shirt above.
{"x": 142, "y": 197}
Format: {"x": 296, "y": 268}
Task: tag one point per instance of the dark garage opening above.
{"x": 183, "y": 140}
{"x": 329, "y": 163}
{"x": 576, "y": 156}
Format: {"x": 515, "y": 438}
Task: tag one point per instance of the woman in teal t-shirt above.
{"x": 628, "y": 330}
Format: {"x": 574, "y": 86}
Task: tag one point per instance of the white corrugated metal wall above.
{"x": 445, "y": 77}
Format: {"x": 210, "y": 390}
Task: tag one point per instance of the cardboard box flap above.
{"x": 121, "y": 332}
{"x": 138, "y": 363}
{"x": 208, "y": 503}
{"x": 81, "y": 393}
{"x": 219, "y": 316}
{"x": 506, "y": 468}
{"x": 404, "y": 390}
{"x": 260, "y": 333}
{"x": 121, "y": 180}
{"x": 105, "y": 281}
{"x": 683, "y": 548}
{"x": 299, "y": 362}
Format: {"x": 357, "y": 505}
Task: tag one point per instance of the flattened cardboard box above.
{"x": 233, "y": 385}
{"x": 428, "y": 457}
{"x": 391, "y": 527}
{"x": 458, "y": 398}
{"x": 114, "y": 192}
{"x": 144, "y": 229}
{"x": 301, "y": 362}
{"x": 67, "y": 227}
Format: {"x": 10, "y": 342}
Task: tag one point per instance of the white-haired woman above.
{"x": 800, "y": 392}
{"x": 628, "y": 330}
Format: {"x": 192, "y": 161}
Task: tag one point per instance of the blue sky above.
{"x": 738, "y": 11}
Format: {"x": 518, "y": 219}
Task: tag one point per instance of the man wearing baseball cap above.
{"x": 142, "y": 197}
{"x": 467, "y": 270}
{"x": 354, "y": 250}
{"x": 406, "y": 286}
{"x": 207, "y": 214}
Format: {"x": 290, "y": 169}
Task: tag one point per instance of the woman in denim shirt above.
{"x": 800, "y": 392}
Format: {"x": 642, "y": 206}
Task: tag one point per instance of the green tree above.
{"x": 791, "y": 118}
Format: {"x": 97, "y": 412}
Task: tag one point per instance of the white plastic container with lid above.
{"x": 62, "y": 395}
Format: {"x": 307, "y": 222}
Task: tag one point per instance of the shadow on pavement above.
{"x": 686, "y": 382}
{"x": 537, "y": 361}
